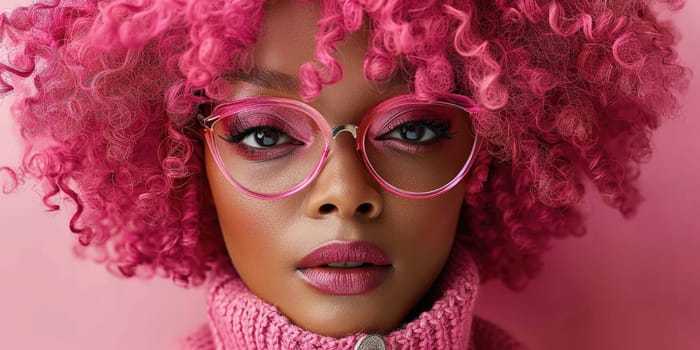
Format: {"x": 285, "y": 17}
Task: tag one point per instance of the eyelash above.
{"x": 442, "y": 128}
{"x": 237, "y": 130}
{"x": 238, "y": 136}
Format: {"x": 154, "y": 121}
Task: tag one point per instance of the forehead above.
{"x": 288, "y": 39}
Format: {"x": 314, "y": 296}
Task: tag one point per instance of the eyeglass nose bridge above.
{"x": 350, "y": 128}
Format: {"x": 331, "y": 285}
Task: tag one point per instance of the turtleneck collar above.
{"x": 240, "y": 320}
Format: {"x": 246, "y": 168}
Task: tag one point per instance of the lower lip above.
{"x": 350, "y": 281}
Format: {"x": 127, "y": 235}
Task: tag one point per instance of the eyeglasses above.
{"x": 270, "y": 147}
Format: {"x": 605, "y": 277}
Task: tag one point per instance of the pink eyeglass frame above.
{"x": 457, "y": 101}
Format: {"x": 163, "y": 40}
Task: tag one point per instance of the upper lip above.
{"x": 340, "y": 252}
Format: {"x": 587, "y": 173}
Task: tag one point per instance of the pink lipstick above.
{"x": 345, "y": 268}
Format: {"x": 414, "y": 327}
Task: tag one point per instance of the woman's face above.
{"x": 267, "y": 240}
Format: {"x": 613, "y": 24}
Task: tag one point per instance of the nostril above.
{"x": 364, "y": 208}
{"x": 327, "y": 208}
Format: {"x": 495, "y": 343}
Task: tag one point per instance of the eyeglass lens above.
{"x": 419, "y": 148}
{"x": 269, "y": 148}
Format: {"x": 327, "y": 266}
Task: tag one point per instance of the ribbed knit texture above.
{"x": 240, "y": 320}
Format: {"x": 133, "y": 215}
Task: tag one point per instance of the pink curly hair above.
{"x": 106, "y": 94}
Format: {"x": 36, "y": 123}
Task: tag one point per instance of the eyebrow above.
{"x": 271, "y": 79}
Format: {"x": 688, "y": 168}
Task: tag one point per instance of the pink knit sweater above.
{"x": 240, "y": 320}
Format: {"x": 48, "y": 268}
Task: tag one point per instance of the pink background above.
{"x": 625, "y": 285}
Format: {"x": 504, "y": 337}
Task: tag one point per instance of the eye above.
{"x": 412, "y": 131}
{"x": 418, "y": 131}
{"x": 258, "y": 143}
{"x": 259, "y": 131}
{"x": 262, "y": 137}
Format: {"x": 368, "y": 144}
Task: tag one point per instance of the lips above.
{"x": 345, "y": 268}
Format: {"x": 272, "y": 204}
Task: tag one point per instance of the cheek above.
{"x": 427, "y": 229}
{"x": 252, "y": 229}
{"x": 435, "y": 219}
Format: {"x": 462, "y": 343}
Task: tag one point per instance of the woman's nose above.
{"x": 344, "y": 187}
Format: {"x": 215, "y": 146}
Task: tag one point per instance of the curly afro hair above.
{"x": 106, "y": 93}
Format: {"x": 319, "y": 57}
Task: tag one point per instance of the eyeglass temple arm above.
{"x": 207, "y": 122}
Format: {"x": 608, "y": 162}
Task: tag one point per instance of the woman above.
{"x": 339, "y": 169}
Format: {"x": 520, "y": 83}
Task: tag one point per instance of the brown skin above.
{"x": 265, "y": 239}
